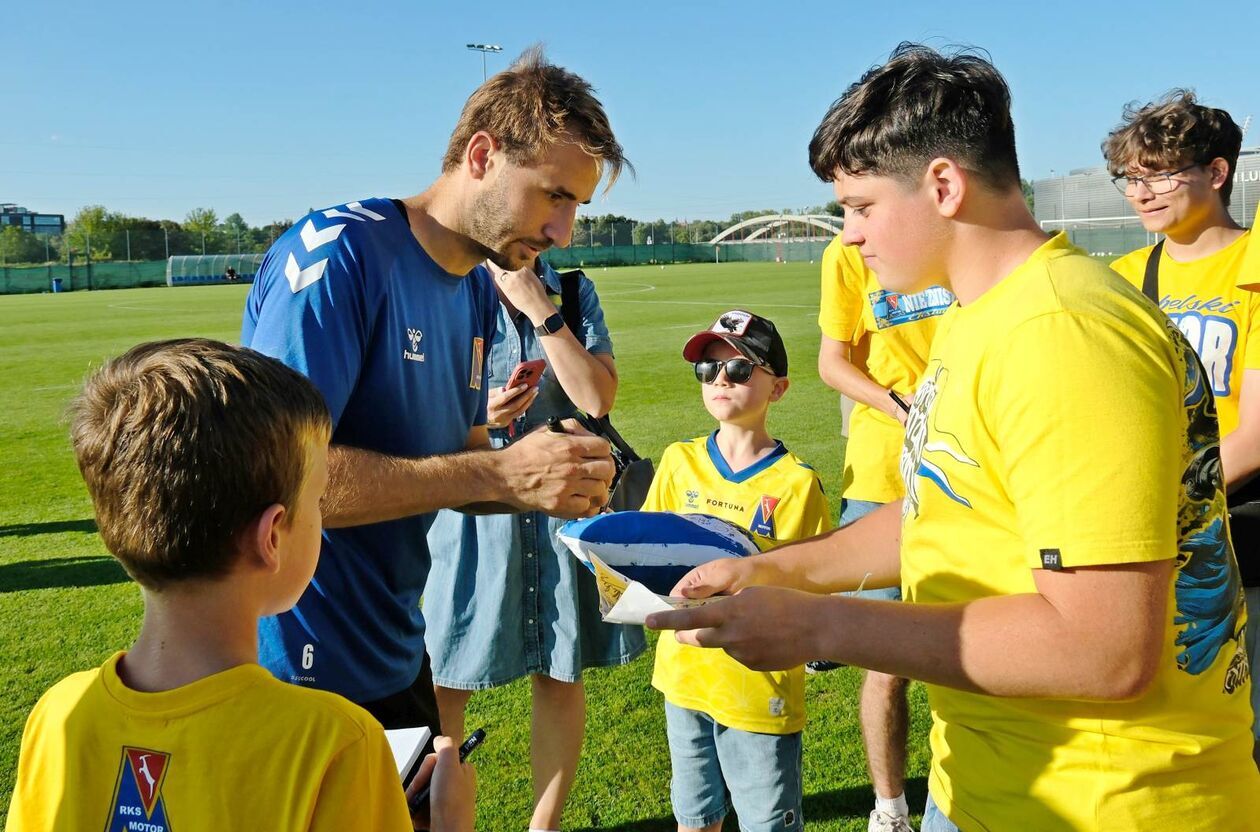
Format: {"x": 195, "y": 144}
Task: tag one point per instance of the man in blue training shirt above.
{"x": 377, "y": 303}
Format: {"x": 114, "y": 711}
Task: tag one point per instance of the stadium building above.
{"x": 42, "y": 224}
{"x": 1099, "y": 219}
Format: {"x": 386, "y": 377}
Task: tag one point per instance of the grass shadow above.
{"x": 53, "y": 573}
{"x": 854, "y": 802}
{"x": 57, "y": 527}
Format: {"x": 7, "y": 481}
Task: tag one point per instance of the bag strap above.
{"x": 611, "y": 434}
{"x": 571, "y": 311}
{"x": 1150, "y": 283}
{"x": 570, "y": 303}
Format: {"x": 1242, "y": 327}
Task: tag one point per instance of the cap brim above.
{"x": 694, "y": 349}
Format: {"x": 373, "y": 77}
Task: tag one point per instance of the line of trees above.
{"x": 97, "y": 233}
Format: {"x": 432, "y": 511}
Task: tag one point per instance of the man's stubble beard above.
{"x": 490, "y": 227}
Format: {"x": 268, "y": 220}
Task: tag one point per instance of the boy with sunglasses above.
{"x": 731, "y": 728}
{"x": 1174, "y": 160}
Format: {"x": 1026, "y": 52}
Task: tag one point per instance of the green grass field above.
{"x": 65, "y": 605}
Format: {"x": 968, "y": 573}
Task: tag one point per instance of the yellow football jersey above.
{"x": 890, "y": 334}
{"x": 779, "y": 499}
{"x": 1063, "y": 423}
{"x": 236, "y": 750}
{"x": 1220, "y": 319}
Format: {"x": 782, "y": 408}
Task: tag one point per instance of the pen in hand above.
{"x": 418, "y": 801}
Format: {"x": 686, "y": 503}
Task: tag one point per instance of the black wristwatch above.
{"x": 551, "y": 326}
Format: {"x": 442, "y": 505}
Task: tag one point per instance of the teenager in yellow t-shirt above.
{"x": 1072, "y": 598}
{"x": 874, "y": 349}
{"x": 730, "y": 728}
{"x": 206, "y": 464}
{"x": 1174, "y": 160}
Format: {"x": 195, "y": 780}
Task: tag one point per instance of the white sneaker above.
{"x": 884, "y": 822}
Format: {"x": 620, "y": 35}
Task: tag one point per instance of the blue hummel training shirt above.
{"x": 397, "y": 347}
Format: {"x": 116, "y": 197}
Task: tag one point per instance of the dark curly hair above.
{"x": 1172, "y": 132}
{"x": 920, "y": 105}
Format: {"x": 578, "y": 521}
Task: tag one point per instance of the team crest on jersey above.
{"x": 138, "y": 802}
{"x": 763, "y": 519}
{"x": 930, "y": 460}
{"x": 478, "y": 363}
{"x": 414, "y": 336}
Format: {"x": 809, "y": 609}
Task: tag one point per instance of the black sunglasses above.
{"x": 738, "y": 370}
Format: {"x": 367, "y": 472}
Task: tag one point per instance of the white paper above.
{"x": 407, "y": 743}
{"x": 623, "y": 601}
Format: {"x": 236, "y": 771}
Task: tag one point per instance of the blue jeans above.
{"x": 934, "y": 820}
{"x": 762, "y": 772}
{"x": 851, "y": 511}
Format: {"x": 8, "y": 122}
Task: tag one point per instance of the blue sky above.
{"x": 273, "y": 108}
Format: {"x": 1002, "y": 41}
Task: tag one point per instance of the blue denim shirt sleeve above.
{"x": 594, "y": 331}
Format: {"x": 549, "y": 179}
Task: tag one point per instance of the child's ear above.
{"x": 263, "y": 538}
{"x": 948, "y": 184}
{"x": 780, "y": 387}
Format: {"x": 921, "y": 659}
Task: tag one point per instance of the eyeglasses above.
{"x": 1157, "y": 183}
{"x": 738, "y": 370}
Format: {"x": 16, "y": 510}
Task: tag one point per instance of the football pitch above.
{"x": 65, "y": 605}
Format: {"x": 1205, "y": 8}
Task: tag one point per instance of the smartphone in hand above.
{"x": 528, "y": 373}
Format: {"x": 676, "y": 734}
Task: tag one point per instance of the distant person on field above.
{"x": 206, "y": 464}
{"x": 1174, "y": 159}
{"x": 733, "y": 730}
{"x": 874, "y": 350}
{"x": 230, "y": 274}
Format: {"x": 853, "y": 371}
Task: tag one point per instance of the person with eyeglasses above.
{"x": 1174, "y": 160}
{"x": 732, "y": 729}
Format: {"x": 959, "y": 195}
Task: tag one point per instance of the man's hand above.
{"x": 525, "y": 291}
{"x": 561, "y": 474}
{"x": 504, "y": 406}
{"x": 453, "y": 797}
{"x": 763, "y": 628}
{"x": 723, "y": 576}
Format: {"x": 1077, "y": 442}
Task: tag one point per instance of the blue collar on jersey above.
{"x": 715, "y": 456}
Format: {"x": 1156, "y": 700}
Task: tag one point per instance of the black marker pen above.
{"x": 422, "y": 796}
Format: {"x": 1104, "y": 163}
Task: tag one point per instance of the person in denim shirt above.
{"x": 503, "y": 601}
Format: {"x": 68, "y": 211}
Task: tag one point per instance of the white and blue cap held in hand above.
{"x": 655, "y": 548}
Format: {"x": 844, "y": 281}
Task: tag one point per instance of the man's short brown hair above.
{"x": 183, "y": 443}
{"x": 1172, "y": 132}
{"x": 530, "y": 107}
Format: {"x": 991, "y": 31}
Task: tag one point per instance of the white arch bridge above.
{"x": 759, "y": 227}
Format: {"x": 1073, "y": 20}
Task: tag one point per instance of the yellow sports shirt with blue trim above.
{"x": 235, "y": 750}
{"x": 779, "y": 499}
{"x": 1063, "y": 422}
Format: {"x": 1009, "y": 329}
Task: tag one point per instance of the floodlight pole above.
{"x": 483, "y": 48}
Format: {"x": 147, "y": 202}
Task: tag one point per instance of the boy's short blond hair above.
{"x": 530, "y": 107}
{"x": 183, "y": 443}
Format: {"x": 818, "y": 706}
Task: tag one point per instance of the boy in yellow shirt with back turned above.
{"x": 731, "y": 728}
{"x": 206, "y": 464}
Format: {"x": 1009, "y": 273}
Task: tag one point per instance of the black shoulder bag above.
{"x": 634, "y": 473}
{"x": 1244, "y": 504}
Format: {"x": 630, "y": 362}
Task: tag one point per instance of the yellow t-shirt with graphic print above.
{"x": 236, "y": 750}
{"x": 1221, "y": 320}
{"x": 890, "y": 334}
{"x": 779, "y": 499}
{"x": 1249, "y": 274}
{"x": 1056, "y": 421}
